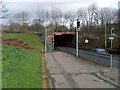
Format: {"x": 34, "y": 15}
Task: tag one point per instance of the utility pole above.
{"x": 105, "y": 36}
{"x": 77, "y": 29}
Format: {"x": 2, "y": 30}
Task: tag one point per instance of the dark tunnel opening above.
{"x": 64, "y": 40}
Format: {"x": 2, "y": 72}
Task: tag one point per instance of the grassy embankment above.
{"x": 22, "y": 68}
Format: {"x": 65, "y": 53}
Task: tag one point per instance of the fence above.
{"x": 104, "y": 59}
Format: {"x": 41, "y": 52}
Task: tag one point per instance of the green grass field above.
{"x": 22, "y": 68}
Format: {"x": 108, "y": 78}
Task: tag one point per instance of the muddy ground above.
{"x": 16, "y": 43}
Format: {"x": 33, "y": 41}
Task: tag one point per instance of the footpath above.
{"x": 67, "y": 71}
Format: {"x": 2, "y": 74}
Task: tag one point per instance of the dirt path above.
{"x": 16, "y": 43}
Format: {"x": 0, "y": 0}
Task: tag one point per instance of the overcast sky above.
{"x": 33, "y": 5}
{"x": 62, "y": 4}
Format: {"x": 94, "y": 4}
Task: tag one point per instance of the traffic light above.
{"x": 113, "y": 32}
{"x": 78, "y": 25}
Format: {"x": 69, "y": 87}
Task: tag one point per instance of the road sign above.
{"x": 86, "y": 40}
{"x": 111, "y": 38}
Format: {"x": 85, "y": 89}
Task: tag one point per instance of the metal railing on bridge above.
{"x": 104, "y": 59}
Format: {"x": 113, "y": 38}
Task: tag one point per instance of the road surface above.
{"x": 115, "y": 57}
{"x": 66, "y": 71}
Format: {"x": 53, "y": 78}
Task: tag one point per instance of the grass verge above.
{"x": 22, "y": 68}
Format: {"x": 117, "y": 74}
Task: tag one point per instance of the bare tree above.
{"x": 56, "y": 17}
{"x": 24, "y": 17}
{"x": 21, "y": 17}
{"x": 119, "y": 23}
{"x": 70, "y": 17}
{"x": 3, "y": 11}
{"x": 114, "y": 15}
{"x": 93, "y": 14}
{"x": 42, "y": 15}
{"x": 83, "y": 16}
{"x": 108, "y": 15}
{"x": 21, "y": 20}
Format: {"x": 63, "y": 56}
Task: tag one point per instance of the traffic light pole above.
{"x": 77, "y": 29}
{"x": 76, "y": 42}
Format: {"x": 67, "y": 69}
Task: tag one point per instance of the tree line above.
{"x": 92, "y": 18}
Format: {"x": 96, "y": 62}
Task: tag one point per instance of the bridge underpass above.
{"x": 64, "y": 39}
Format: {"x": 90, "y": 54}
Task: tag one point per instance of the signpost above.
{"x": 77, "y": 29}
{"x": 86, "y": 42}
{"x": 111, "y": 38}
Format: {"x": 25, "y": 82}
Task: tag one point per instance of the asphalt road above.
{"x": 115, "y": 57}
{"x": 67, "y": 71}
